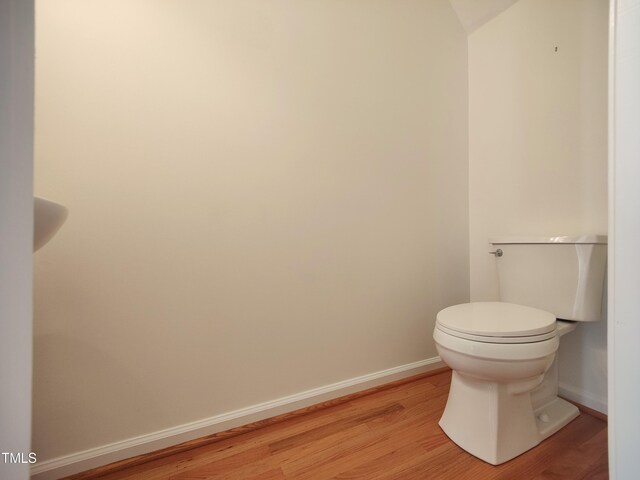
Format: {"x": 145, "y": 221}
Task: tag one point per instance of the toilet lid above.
{"x": 496, "y": 319}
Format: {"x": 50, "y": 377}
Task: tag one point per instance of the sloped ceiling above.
{"x": 475, "y": 13}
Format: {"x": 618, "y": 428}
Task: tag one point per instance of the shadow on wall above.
{"x": 583, "y": 362}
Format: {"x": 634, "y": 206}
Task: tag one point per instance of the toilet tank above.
{"x": 562, "y": 275}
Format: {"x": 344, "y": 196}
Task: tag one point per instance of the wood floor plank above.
{"x": 598, "y": 469}
{"x": 391, "y": 434}
{"x": 573, "y": 463}
{"x": 271, "y": 474}
{"x": 235, "y": 462}
{"x": 368, "y": 448}
{"x": 432, "y": 464}
{"x": 328, "y": 429}
{"x": 161, "y": 468}
{"x": 394, "y": 464}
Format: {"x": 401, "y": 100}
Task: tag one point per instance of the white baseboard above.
{"x": 96, "y": 457}
{"x": 582, "y": 398}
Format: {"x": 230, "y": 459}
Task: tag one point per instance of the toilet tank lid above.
{"x": 593, "y": 239}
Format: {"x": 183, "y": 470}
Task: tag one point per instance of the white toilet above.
{"x": 504, "y": 389}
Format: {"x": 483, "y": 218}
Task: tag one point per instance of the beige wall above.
{"x": 264, "y": 197}
{"x": 538, "y": 147}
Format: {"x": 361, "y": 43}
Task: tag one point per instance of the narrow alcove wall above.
{"x": 538, "y": 150}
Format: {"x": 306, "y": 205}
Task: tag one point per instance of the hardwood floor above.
{"x": 391, "y": 434}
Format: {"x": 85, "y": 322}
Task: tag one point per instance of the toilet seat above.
{"x": 497, "y": 322}
{"x": 502, "y": 352}
{"x": 498, "y": 339}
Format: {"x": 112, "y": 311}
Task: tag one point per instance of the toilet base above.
{"x": 496, "y": 421}
{"x": 554, "y": 415}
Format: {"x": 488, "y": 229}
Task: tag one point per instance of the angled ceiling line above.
{"x": 475, "y": 13}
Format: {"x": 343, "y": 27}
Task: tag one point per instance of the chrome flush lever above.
{"x": 497, "y": 253}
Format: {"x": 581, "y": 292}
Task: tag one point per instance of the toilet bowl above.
{"x": 503, "y": 398}
{"x": 490, "y": 412}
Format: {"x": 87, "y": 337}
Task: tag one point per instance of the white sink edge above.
{"x": 48, "y": 217}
